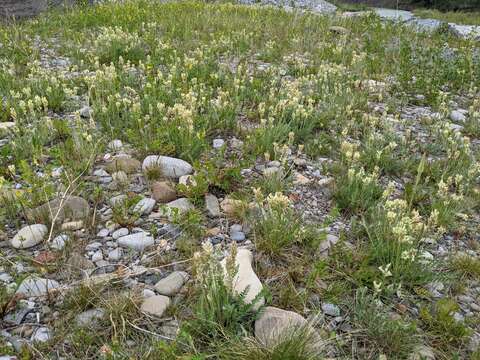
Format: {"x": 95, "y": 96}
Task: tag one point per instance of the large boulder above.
{"x": 36, "y": 286}
{"x": 72, "y": 207}
{"x": 29, "y": 236}
{"x": 137, "y": 241}
{"x": 168, "y": 167}
{"x": 276, "y": 325}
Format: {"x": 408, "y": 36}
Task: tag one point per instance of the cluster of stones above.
{"x": 63, "y": 222}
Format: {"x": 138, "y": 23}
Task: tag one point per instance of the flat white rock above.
{"x": 171, "y": 284}
{"x": 35, "y": 286}
{"x": 155, "y": 305}
{"x": 29, "y": 236}
{"x": 169, "y": 167}
{"x": 144, "y": 206}
{"x": 137, "y": 241}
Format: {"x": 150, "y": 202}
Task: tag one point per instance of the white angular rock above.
{"x": 29, "y": 236}
{"x": 275, "y": 325}
{"x": 171, "y": 284}
{"x": 168, "y": 166}
{"x": 155, "y": 305}
{"x": 246, "y": 278}
{"x": 35, "y": 286}
{"x": 144, "y": 206}
{"x": 59, "y": 242}
{"x": 137, "y": 241}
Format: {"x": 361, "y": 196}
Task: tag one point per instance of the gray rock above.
{"x": 93, "y": 246}
{"x": 182, "y": 204}
{"x": 426, "y": 25}
{"x": 457, "y": 116}
{"x": 147, "y": 293}
{"x": 275, "y": 325}
{"x": 155, "y": 305}
{"x": 35, "y": 286}
{"x": 29, "y": 236}
{"x": 235, "y": 228}
{"x": 330, "y": 309}
{"x": 218, "y": 143}
{"x": 465, "y": 31}
{"x": 86, "y": 112}
{"x": 138, "y": 241}
{"x": 394, "y": 15}
{"x": 317, "y": 6}
{"x": 456, "y": 127}
{"x": 104, "y": 233}
{"x": 97, "y": 256}
{"x": 115, "y": 254}
{"x": 59, "y": 242}
{"x": 237, "y": 236}
{"x": 171, "y": 284}
{"x": 5, "y": 278}
{"x": 101, "y": 173}
{"x": 41, "y": 334}
{"x": 72, "y": 207}
{"x": 144, "y": 206}
{"x": 168, "y": 166}
{"x": 329, "y": 241}
{"x": 119, "y": 233}
{"x": 89, "y": 318}
{"x": 212, "y": 205}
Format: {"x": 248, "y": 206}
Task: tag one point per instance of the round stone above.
{"x": 29, "y": 236}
